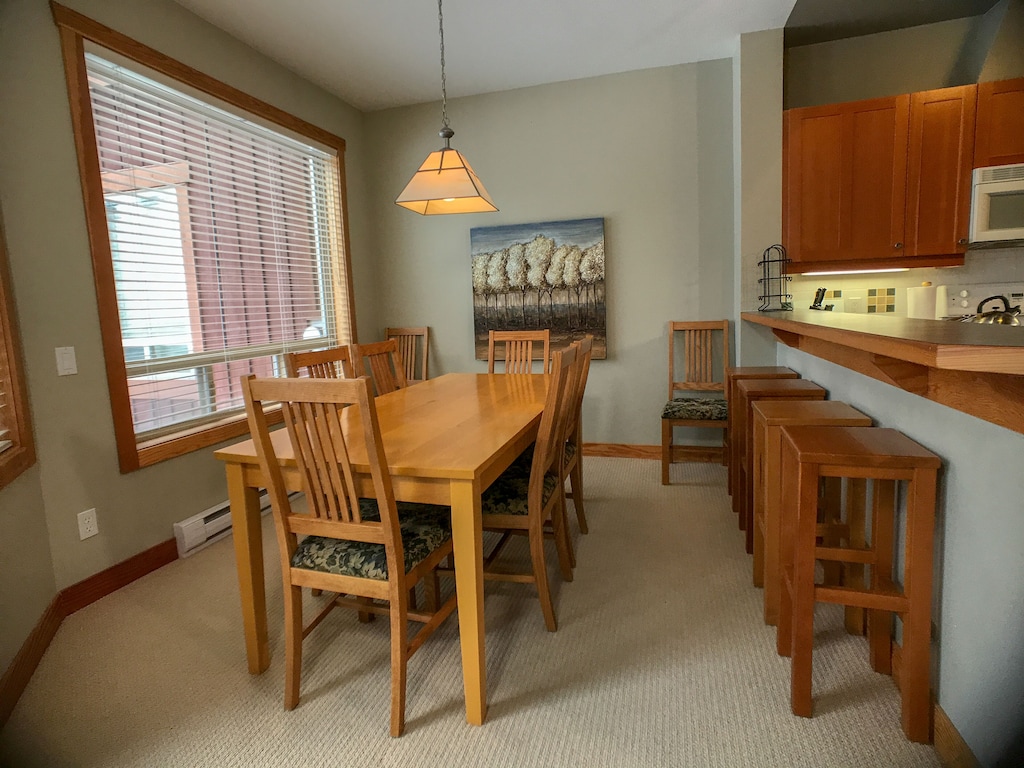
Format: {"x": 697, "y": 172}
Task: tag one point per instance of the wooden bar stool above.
{"x": 732, "y": 375}
{"x": 747, "y": 392}
{"x": 769, "y": 418}
{"x": 884, "y": 456}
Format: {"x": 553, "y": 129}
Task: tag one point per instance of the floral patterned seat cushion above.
{"x": 423, "y": 531}
{"x": 508, "y": 495}
{"x": 696, "y": 408}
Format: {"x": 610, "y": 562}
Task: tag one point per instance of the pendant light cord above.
{"x": 444, "y": 95}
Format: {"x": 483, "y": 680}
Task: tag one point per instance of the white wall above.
{"x": 979, "y": 563}
{"x": 649, "y": 151}
{"x": 757, "y": 178}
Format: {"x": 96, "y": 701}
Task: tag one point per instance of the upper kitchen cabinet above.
{"x": 879, "y": 183}
{"x": 1000, "y": 135}
{"x": 941, "y": 150}
{"x": 845, "y": 177}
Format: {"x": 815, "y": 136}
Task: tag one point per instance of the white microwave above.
{"x": 997, "y": 204}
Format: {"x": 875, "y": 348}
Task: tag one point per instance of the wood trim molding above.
{"x": 66, "y": 602}
{"x": 953, "y": 751}
{"x": 108, "y": 581}
{"x": 622, "y": 450}
{"x": 16, "y": 678}
{"x": 74, "y": 29}
{"x": 84, "y": 27}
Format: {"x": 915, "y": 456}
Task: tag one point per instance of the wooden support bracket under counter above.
{"x": 971, "y": 367}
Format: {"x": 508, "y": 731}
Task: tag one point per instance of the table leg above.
{"x": 248, "y": 537}
{"x": 467, "y": 538}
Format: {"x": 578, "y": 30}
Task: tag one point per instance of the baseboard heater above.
{"x": 202, "y": 530}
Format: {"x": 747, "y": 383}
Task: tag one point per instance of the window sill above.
{"x": 171, "y": 446}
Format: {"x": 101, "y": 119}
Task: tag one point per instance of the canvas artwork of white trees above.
{"x": 544, "y": 275}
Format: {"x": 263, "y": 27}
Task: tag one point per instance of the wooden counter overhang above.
{"x": 974, "y": 368}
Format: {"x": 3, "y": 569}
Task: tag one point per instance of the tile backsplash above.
{"x": 886, "y": 292}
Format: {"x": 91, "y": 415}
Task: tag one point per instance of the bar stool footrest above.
{"x": 880, "y": 597}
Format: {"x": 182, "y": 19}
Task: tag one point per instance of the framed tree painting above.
{"x": 533, "y": 276}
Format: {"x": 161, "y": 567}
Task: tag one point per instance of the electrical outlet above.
{"x": 87, "y": 525}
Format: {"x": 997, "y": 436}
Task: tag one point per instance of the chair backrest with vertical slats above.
{"x": 414, "y": 348}
{"x": 585, "y": 350}
{"x": 547, "y": 453}
{"x": 332, "y": 363}
{"x": 704, "y": 358}
{"x": 382, "y": 362}
{"x": 516, "y": 348}
{"x": 316, "y": 413}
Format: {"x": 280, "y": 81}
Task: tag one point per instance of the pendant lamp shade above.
{"x": 445, "y": 183}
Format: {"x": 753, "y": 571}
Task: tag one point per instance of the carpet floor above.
{"x": 661, "y": 659}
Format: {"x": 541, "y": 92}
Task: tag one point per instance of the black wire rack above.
{"x": 773, "y": 284}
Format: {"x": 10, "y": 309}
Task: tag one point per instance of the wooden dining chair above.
{"x": 523, "y": 503}
{"x": 703, "y": 358}
{"x": 368, "y": 551}
{"x": 516, "y": 349}
{"x": 414, "y": 348}
{"x": 382, "y": 362}
{"x": 573, "y": 463}
{"x": 331, "y": 363}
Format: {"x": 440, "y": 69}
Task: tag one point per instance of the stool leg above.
{"x": 853, "y": 573}
{"x": 758, "y": 504}
{"x": 787, "y": 530}
{"x": 831, "y": 514}
{"x": 915, "y": 673}
{"x": 803, "y": 590}
{"x": 882, "y": 535}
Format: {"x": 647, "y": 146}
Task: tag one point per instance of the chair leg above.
{"x": 560, "y": 526}
{"x": 540, "y": 576}
{"x": 399, "y": 666}
{"x": 666, "y": 449}
{"x": 292, "y": 644}
{"x": 576, "y": 482}
{"x": 432, "y": 591}
{"x": 365, "y": 617}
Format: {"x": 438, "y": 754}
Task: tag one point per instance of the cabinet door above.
{"x": 1000, "y": 135}
{"x": 846, "y": 170}
{"x": 940, "y": 153}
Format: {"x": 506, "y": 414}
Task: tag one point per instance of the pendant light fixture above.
{"x": 445, "y": 183}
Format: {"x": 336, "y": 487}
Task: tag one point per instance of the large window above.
{"x": 16, "y": 449}
{"x": 218, "y": 239}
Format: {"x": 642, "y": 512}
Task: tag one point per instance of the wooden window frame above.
{"x": 22, "y": 453}
{"x": 74, "y": 30}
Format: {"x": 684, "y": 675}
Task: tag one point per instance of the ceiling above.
{"x": 817, "y": 21}
{"x": 376, "y": 54}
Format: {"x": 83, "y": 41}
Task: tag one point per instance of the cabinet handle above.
{"x": 898, "y": 245}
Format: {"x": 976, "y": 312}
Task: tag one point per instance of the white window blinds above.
{"x": 7, "y": 422}
{"x": 226, "y": 247}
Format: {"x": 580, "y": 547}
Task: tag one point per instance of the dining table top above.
{"x": 450, "y": 427}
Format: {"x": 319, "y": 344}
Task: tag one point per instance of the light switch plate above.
{"x": 66, "y": 362}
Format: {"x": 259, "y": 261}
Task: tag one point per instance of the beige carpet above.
{"x": 661, "y": 659}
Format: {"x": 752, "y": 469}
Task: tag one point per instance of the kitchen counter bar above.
{"x": 974, "y": 368}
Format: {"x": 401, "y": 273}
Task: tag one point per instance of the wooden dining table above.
{"x": 446, "y": 440}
